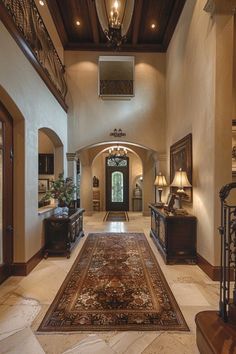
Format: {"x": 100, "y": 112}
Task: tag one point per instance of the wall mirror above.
{"x": 116, "y": 77}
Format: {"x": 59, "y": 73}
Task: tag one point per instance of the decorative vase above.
{"x": 62, "y": 203}
{"x": 137, "y": 191}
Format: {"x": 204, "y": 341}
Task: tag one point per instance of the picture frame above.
{"x": 181, "y": 157}
{"x": 43, "y": 185}
{"x": 169, "y": 206}
{"x": 233, "y": 148}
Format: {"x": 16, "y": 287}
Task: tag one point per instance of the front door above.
{"x": 117, "y": 184}
{"x": 6, "y": 178}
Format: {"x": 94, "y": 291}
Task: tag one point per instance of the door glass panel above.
{"x": 117, "y": 161}
{"x": 117, "y": 187}
{"x": 1, "y": 203}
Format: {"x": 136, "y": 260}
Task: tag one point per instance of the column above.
{"x": 72, "y": 169}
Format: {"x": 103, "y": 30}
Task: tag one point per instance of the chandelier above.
{"x": 115, "y": 18}
{"x": 117, "y": 153}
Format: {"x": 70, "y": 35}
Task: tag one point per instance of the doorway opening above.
{"x": 117, "y": 184}
{"x": 6, "y": 193}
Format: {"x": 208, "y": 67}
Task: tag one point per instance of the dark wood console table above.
{"x": 63, "y": 232}
{"x": 174, "y": 235}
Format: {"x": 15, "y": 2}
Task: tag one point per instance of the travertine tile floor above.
{"x": 25, "y": 300}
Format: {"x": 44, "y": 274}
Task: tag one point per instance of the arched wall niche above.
{"x": 58, "y": 149}
{"x": 19, "y": 201}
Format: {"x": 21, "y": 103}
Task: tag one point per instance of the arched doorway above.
{"x": 6, "y": 193}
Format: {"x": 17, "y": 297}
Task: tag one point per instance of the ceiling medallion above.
{"x": 115, "y": 18}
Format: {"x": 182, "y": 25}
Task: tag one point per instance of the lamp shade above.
{"x": 115, "y": 14}
{"x": 180, "y": 180}
{"x": 160, "y": 181}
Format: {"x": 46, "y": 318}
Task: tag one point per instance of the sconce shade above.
{"x": 180, "y": 180}
{"x": 115, "y": 15}
{"x": 160, "y": 181}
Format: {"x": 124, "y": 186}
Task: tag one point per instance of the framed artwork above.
{"x": 43, "y": 184}
{"x": 170, "y": 202}
{"x": 181, "y": 157}
{"x": 234, "y": 148}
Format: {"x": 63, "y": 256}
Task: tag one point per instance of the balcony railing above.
{"x": 23, "y": 21}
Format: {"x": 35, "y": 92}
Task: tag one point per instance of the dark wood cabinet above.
{"x": 46, "y": 164}
{"x": 174, "y": 235}
{"x": 63, "y": 232}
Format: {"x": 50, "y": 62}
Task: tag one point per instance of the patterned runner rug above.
{"x": 114, "y": 284}
{"x": 116, "y": 216}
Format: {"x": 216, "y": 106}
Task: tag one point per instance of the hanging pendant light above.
{"x": 115, "y": 18}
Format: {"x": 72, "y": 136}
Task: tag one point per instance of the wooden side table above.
{"x": 62, "y": 233}
{"x": 174, "y": 235}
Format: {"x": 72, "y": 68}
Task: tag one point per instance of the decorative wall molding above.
{"x": 215, "y": 7}
{"x": 23, "y": 21}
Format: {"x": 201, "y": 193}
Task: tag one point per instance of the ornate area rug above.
{"x": 116, "y": 216}
{"x": 114, "y": 284}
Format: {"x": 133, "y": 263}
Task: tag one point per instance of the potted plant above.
{"x": 62, "y": 189}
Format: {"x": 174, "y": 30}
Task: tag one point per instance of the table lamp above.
{"x": 160, "y": 182}
{"x": 180, "y": 180}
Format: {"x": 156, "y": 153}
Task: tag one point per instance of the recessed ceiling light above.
{"x": 41, "y": 2}
{"x": 77, "y": 23}
{"x": 153, "y": 26}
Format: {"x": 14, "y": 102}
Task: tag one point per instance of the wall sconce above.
{"x": 160, "y": 182}
{"x": 180, "y": 180}
{"x": 117, "y": 133}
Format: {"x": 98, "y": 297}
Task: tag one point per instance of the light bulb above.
{"x": 116, "y": 5}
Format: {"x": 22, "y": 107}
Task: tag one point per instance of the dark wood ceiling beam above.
{"x": 56, "y": 16}
{"x": 137, "y": 20}
{"x": 124, "y": 48}
{"x": 93, "y": 20}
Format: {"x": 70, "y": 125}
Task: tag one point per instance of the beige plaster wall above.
{"x": 45, "y": 145}
{"x": 199, "y": 100}
{"x": 37, "y": 108}
{"x": 91, "y": 119}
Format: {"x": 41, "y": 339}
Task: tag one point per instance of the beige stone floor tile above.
{"x": 188, "y": 294}
{"x": 8, "y": 286}
{"x": 91, "y": 344}
{"x": 189, "y": 313}
{"x": 17, "y": 317}
{"x": 59, "y": 343}
{"x": 168, "y": 343}
{"x": 21, "y": 299}
{"x": 131, "y": 342}
{"x": 22, "y": 342}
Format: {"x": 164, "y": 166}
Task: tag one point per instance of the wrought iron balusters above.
{"x": 228, "y": 256}
{"x": 29, "y": 23}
